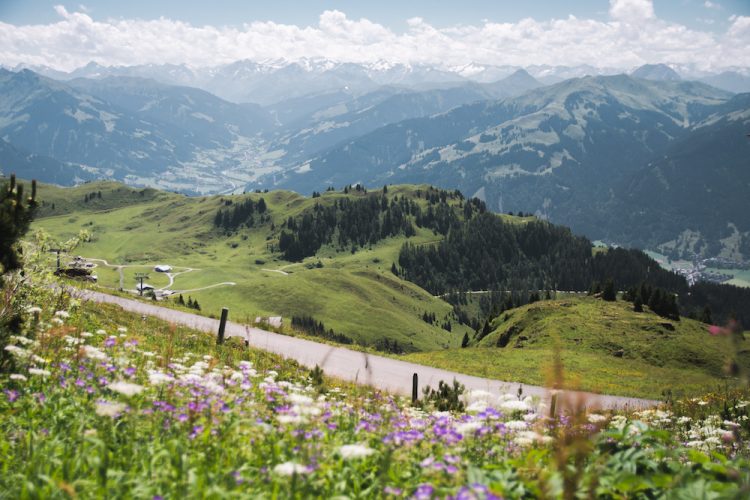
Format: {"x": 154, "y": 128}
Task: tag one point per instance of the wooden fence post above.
{"x": 414, "y": 386}
{"x": 222, "y": 325}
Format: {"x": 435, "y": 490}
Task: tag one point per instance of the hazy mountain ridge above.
{"x": 700, "y": 186}
{"x": 209, "y": 118}
{"x": 52, "y": 119}
{"x": 327, "y": 127}
{"x": 556, "y": 151}
{"x": 33, "y": 166}
{"x": 272, "y": 81}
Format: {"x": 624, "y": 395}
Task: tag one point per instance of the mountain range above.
{"x": 276, "y": 80}
{"x": 616, "y": 157}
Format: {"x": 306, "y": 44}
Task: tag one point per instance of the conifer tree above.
{"x": 609, "y": 293}
{"x": 16, "y": 213}
{"x": 465, "y": 341}
{"x": 637, "y": 304}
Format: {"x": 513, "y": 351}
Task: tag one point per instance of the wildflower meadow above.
{"x": 99, "y": 403}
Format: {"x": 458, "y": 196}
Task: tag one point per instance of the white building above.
{"x": 162, "y": 268}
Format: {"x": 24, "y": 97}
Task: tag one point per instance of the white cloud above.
{"x": 712, "y": 5}
{"x": 632, "y": 36}
{"x": 631, "y": 10}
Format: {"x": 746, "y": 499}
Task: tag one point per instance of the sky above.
{"x": 703, "y": 34}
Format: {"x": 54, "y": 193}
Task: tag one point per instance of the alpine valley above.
{"x": 645, "y": 159}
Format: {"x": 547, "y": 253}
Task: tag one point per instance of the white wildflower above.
{"x": 476, "y": 407}
{"x": 38, "y": 359}
{"x": 290, "y": 469}
{"x": 595, "y": 418}
{"x": 299, "y": 399}
{"x": 57, "y": 321}
{"x": 34, "y": 310}
{"x": 126, "y": 388}
{"x": 516, "y": 425}
{"x": 523, "y": 442}
{"x": 18, "y": 339}
{"x": 159, "y": 378}
{"x": 62, "y": 314}
{"x": 87, "y": 334}
{"x": 122, "y": 329}
{"x": 479, "y": 395}
{"x": 512, "y": 406}
{"x": 312, "y": 411}
{"x": 291, "y": 419}
{"x": 101, "y": 332}
{"x": 18, "y": 376}
{"x": 92, "y": 352}
{"x": 527, "y": 438}
{"x": 19, "y": 352}
{"x": 40, "y": 372}
{"x": 214, "y": 387}
{"x": 468, "y": 428}
{"x": 349, "y": 451}
{"x": 109, "y": 409}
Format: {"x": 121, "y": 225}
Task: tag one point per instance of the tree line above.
{"x": 487, "y": 253}
{"x": 353, "y": 223}
{"x": 240, "y": 214}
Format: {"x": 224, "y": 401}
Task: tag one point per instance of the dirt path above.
{"x": 276, "y": 271}
{"x": 383, "y": 373}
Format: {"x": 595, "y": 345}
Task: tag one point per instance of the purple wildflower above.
{"x": 11, "y": 395}
{"x": 392, "y": 490}
{"x": 423, "y": 492}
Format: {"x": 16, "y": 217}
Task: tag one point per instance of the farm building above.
{"x": 162, "y": 268}
{"x": 145, "y": 287}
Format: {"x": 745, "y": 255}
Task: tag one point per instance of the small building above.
{"x": 162, "y": 268}
{"x": 144, "y": 287}
{"x": 273, "y": 321}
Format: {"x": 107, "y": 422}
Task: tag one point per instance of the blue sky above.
{"x": 706, "y": 35}
{"x": 391, "y": 13}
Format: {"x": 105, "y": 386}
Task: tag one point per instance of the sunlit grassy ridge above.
{"x": 605, "y": 347}
{"x": 101, "y": 403}
{"x": 353, "y": 293}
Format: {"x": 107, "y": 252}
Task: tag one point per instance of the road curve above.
{"x": 381, "y": 372}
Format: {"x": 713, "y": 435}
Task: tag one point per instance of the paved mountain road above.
{"x": 381, "y": 372}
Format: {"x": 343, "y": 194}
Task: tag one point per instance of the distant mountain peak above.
{"x": 660, "y": 72}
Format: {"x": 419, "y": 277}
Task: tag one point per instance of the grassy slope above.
{"x": 355, "y": 294}
{"x": 589, "y": 332}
